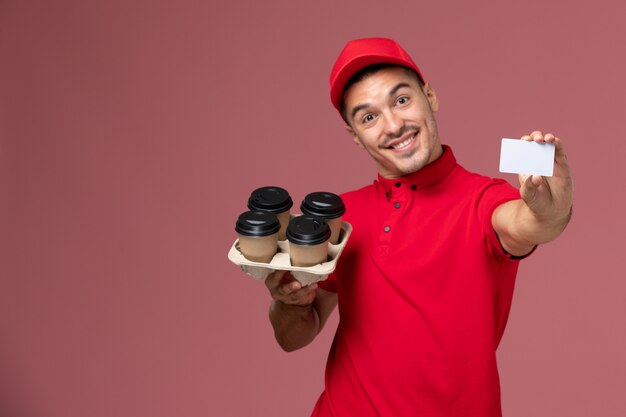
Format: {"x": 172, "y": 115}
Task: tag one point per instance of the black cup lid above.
{"x": 273, "y": 199}
{"x": 323, "y": 204}
{"x": 257, "y": 223}
{"x": 307, "y": 230}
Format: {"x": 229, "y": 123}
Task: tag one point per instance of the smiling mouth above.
{"x": 405, "y": 143}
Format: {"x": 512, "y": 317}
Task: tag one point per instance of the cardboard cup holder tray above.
{"x": 281, "y": 261}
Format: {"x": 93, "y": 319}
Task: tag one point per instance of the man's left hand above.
{"x": 549, "y": 198}
{"x": 544, "y": 209}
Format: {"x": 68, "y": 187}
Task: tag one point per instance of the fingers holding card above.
{"x": 546, "y": 184}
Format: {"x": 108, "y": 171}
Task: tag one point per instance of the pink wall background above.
{"x": 131, "y": 133}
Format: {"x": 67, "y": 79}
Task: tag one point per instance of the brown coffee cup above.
{"x": 308, "y": 240}
{"x": 274, "y": 200}
{"x": 327, "y": 206}
{"x": 258, "y": 235}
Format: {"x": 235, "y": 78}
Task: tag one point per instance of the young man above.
{"x": 425, "y": 283}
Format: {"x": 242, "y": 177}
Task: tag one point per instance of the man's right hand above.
{"x": 297, "y": 313}
{"x": 287, "y": 290}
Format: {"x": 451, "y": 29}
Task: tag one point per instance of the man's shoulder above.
{"x": 475, "y": 180}
{"x": 359, "y": 195}
{"x": 358, "y": 203}
{"x": 482, "y": 188}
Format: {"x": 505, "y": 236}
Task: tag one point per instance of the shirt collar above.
{"x": 431, "y": 174}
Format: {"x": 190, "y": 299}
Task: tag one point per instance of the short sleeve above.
{"x": 495, "y": 193}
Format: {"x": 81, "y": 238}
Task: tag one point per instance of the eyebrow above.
{"x": 392, "y": 92}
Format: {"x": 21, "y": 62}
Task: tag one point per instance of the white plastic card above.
{"x": 526, "y": 157}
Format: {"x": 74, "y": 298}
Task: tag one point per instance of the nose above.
{"x": 393, "y": 124}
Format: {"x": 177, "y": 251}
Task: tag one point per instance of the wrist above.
{"x": 536, "y": 228}
{"x": 297, "y": 306}
{"x": 555, "y": 220}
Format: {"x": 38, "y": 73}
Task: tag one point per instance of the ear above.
{"x": 431, "y": 96}
{"x": 355, "y": 138}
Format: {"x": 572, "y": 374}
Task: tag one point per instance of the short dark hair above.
{"x": 367, "y": 72}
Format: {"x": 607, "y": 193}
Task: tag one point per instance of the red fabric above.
{"x": 423, "y": 306}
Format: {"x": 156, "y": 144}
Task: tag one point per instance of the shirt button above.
{"x": 387, "y": 229}
{"x": 398, "y": 184}
{"x": 397, "y": 205}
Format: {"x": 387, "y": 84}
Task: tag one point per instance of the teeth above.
{"x": 404, "y": 143}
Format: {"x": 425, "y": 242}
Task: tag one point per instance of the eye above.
{"x": 402, "y": 100}
{"x": 367, "y": 118}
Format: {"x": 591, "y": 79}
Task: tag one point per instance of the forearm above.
{"x": 294, "y": 326}
{"x": 520, "y": 229}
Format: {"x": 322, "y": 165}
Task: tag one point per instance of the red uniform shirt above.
{"x": 424, "y": 291}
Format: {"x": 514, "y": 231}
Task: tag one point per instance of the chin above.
{"x": 417, "y": 162}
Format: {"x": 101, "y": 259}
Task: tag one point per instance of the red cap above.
{"x": 360, "y": 53}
